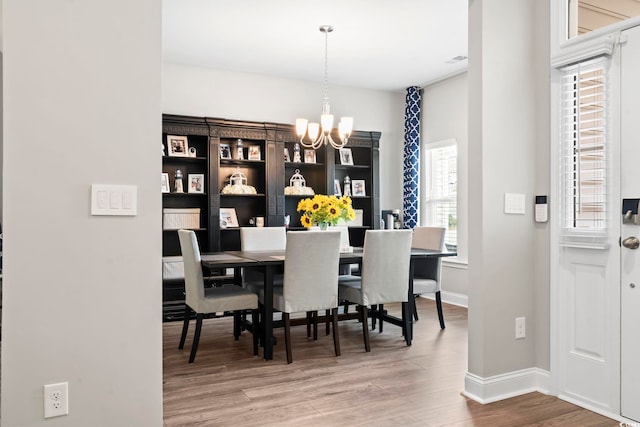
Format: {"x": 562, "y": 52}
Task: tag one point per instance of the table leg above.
{"x": 267, "y": 314}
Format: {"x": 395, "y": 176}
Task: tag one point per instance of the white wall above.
{"x": 444, "y": 116}
{"x": 81, "y": 294}
{"x": 230, "y": 95}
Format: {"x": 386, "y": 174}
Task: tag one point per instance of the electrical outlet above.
{"x": 56, "y": 400}
{"x": 520, "y": 328}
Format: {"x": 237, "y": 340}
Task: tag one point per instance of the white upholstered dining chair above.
{"x": 261, "y": 239}
{"x": 210, "y": 300}
{"x": 426, "y": 272}
{"x": 310, "y": 280}
{"x": 385, "y": 275}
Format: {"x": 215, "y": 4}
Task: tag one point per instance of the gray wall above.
{"x": 504, "y": 109}
{"x": 81, "y": 295}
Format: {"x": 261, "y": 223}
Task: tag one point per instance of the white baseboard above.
{"x": 504, "y": 386}
{"x": 452, "y": 298}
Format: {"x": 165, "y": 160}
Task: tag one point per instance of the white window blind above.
{"x": 584, "y": 151}
{"x": 441, "y": 179}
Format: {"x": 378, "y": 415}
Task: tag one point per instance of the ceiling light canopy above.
{"x": 316, "y": 137}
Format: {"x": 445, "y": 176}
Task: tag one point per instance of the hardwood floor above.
{"x": 394, "y": 385}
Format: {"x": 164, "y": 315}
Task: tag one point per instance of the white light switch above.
{"x": 116, "y": 200}
{"x": 514, "y": 203}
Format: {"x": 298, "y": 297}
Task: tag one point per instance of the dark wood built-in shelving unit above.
{"x": 269, "y": 176}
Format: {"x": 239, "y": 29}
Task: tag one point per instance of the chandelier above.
{"x": 312, "y": 130}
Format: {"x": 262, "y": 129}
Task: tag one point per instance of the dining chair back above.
{"x": 210, "y": 300}
{"x": 261, "y": 239}
{"x": 310, "y": 279}
{"x": 385, "y": 275}
{"x": 426, "y": 272}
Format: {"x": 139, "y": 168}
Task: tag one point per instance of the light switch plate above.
{"x": 514, "y": 203}
{"x": 119, "y": 200}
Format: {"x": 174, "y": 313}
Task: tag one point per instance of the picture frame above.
{"x": 254, "y": 152}
{"x": 177, "y": 146}
{"x": 309, "y": 156}
{"x": 225, "y": 151}
{"x": 287, "y": 158}
{"x": 358, "y": 188}
{"x": 196, "y": 183}
{"x": 346, "y": 157}
{"x": 337, "y": 188}
{"x": 228, "y": 218}
{"x": 164, "y": 183}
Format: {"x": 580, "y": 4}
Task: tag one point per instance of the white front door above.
{"x": 630, "y": 186}
{"x": 586, "y": 290}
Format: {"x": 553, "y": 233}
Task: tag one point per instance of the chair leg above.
{"x": 287, "y": 336}
{"x": 415, "y": 308}
{"x": 314, "y": 315}
{"x": 405, "y": 322}
{"x": 327, "y": 322}
{"x": 196, "y": 337}
{"x": 346, "y": 307}
{"x": 439, "y": 307}
{"x": 374, "y": 307}
{"x": 336, "y": 337}
{"x": 237, "y": 324}
{"x": 309, "y": 320}
{"x": 255, "y": 321}
{"x": 379, "y": 315}
{"x": 185, "y": 326}
{"x": 365, "y": 327}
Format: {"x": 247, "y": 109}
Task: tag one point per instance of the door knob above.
{"x": 631, "y": 243}
{"x": 632, "y": 285}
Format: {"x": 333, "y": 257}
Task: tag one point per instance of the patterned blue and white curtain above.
{"x": 413, "y": 103}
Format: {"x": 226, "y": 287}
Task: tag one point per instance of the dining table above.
{"x": 272, "y": 261}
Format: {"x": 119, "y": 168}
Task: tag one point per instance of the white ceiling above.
{"x": 376, "y": 44}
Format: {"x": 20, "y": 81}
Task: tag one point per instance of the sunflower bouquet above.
{"x": 323, "y": 210}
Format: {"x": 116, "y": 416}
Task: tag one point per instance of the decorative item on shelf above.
{"x": 287, "y": 158}
{"x": 298, "y": 186}
{"x": 177, "y": 185}
{"x": 165, "y": 182}
{"x": 238, "y": 184}
{"x": 347, "y": 186}
{"x": 192, "y": 152}
{"x": 177, "y": 146}
{"x": 196, "y": 183}
{"x": 345, "y": 126}
{"x": 358, "y": 188}
{"x": 346, "y": 157}
{"x": 238, "y": 149}
{"x": 309, "y": 156}
{"x": 228, "y": 218}
{"x": 296, "y": 153}
{"x": 323, "y": 210}
{"x": 225, "y": 151}
{"x": 254, "y": 152}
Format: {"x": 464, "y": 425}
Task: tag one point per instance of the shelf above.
{"x": 177, "y": 159}
{"x": 176, "y": 229}
{"x": 184, "y": 194}
{"x": 302, "y": 164}
{"x": 352, "y": 167}
{"x": 235, "y": 162}
{"x": 242, "y": 195}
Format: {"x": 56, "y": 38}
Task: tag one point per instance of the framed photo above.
{"x": 337, "y": 190}
{"x": 346, "y": 158}
{"x": 309, "y": 156}
{"x": 254, "y": 152}
{"x": 228, "y": 218}
{"x": 286, "y": 155}
{"x": 165, "y": 183}
{"x": 196, "y": 183}
{"x": 225, "y": 151}
{"x": 357, "y": 188}
{"x": 177, "y": 146}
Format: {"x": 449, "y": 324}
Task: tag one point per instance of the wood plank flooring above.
{"x": 394, "y": 385}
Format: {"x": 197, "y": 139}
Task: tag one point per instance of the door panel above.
{"x": 630, "y": 188}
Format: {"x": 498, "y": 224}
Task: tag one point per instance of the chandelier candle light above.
{"x": 326, "y": 119}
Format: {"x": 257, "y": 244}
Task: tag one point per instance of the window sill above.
{"x": 455, "y": 262}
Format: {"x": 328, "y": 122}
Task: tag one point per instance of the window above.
{"x": 440, "y": 173}
{"x": 584, "y": 150}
